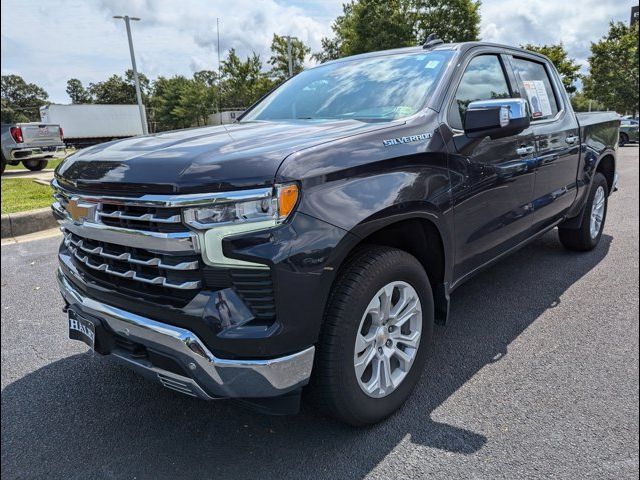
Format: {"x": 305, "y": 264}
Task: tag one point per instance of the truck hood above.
{"x": 227, "y": 157}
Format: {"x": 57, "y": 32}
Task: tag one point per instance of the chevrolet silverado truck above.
{"x": 315, "y": 243}
{"x": 30, "y": 143}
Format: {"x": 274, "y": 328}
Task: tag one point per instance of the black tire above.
{"x": 580, "y": 239}
{"x": 624, "y": 139}
{"x": 4, "y": 164}
{"x": 35, "y": 165}
{"x": 334, "y": 385}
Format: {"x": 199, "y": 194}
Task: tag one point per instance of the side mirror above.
{"x": 497, "y": 118}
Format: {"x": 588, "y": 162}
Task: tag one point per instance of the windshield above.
{"x": 371, "y": 89}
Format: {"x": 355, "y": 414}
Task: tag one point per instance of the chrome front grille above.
{"x": 151, "y": 219}
{"x": 140, "y": 245}
{"x": 180, "y": 273}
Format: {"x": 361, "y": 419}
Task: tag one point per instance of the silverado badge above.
{"x": 411, "y": 138}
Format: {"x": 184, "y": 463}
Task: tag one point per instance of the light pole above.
{"x": 143, "y": 118}
{"x": 289, "y": 56}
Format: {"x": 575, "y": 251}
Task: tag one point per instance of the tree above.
{"x": 164, "y": 102}
{"x": 581, "y": 103}
{"x": 243, "y": 82}
{"x": 613, "y": 75}
{"x": 369, "y": 25}
{"x": 567, "y": 67}
{"x": 450, "y": 20}
{"x": 196, "y": 102}
{"x": 21, "y": 101}
{"x": 77, "y": 93}
{"x": 118, "y": 90}
{"x": 279, "y": 60}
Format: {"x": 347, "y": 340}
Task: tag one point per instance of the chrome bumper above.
{"x": 209, "y": 377}
{"x": 34, "y": 153}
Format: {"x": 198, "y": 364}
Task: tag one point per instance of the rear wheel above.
{"x": 624, "y": 139}
{"x": 376, "y": 333}
{"x": 35, "y": 165}
{"x": 587, "y": 236}
{"x": 4, "y": 164}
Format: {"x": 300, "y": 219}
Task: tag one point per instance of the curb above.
{"x": 22, "y": 223}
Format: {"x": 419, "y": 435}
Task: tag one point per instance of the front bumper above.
{"x": 201, "y": 373}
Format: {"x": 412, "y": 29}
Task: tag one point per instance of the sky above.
{"x": 48, "y": 42}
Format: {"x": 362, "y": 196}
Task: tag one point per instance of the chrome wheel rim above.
{"x": 597, "y": 211}
{"x": 388, "y": 338}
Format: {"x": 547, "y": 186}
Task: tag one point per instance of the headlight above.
{"x": 264, "y": 205}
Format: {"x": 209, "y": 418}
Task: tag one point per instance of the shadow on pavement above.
{"x": 82, "y": 417}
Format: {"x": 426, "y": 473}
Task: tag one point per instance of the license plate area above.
{"x": 81, "y": 328}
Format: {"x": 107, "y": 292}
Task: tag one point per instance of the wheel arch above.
{"x": 420, "y": 235}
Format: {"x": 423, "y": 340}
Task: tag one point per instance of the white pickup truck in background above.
{"x": 30, "y": 143}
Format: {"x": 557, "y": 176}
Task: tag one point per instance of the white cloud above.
{"x": 52, "y": 41}
{"x": 575, "y": 24}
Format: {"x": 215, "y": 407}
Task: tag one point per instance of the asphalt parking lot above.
{"x": 535, "y": 376}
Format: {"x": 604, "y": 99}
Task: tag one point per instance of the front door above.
{"x": 493, "y": 184}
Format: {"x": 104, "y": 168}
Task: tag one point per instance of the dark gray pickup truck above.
{"x": 315, "y": 243}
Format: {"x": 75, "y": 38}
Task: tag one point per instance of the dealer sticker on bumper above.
{"x": 81, "y": 329}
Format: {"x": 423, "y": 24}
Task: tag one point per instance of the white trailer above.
{"x": 88, "y": 124}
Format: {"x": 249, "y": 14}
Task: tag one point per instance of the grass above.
{"x": 20, "y": 194}
{"x": 53, "y": 163}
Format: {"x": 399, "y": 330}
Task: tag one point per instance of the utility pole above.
{"x": 143, "y": 117}
{"x": 289, "y": 53}
{"x": 219, "y": 70}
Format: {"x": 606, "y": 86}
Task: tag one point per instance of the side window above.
{"x": 483, "y": 79}
{"x": 538, "y": 88}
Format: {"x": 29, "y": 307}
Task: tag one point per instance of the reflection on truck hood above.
{"x": 242, "y": 155}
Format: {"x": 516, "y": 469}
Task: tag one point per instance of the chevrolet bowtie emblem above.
{"x": 80, "y": 211}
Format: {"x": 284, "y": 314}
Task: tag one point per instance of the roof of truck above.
{"x": 462, "y": 46}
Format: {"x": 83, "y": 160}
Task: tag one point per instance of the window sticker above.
{"x": 432, "y": 64}
{"x": 538, "y": 98}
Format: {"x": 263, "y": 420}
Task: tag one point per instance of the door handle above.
{"x": 572, "y": 139}
{"x": 525, "y": 150}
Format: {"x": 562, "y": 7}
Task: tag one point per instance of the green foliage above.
{"x": 581, "y": 103}
{"x": 76, "y": 91}
{"x": 613, "y": 76}
{"x": 21, "y": 101}
{"x": 370, "y": 25}
{"x": 567, "y": 67}
{"x": 450, "y": 20}
{"x": 165, "y": 102}
{"x": 119, "y": 91}
{"x": 279, "y": 60}
{"x": 243, "y": 82}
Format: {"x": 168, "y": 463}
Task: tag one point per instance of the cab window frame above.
{"x": 559, "y": 98}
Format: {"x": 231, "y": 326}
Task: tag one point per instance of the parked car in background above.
{"x": 318, "y": 239}
{"x": 628, "y": 131}
{"x": 30, "y": 143}
{"x": 87, "y": 124}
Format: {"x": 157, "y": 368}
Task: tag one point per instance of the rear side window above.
{"x": 538, "y": 88}
{"x": 483, "y": 79}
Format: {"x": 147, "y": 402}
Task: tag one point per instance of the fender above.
{"x": 589, "y": 165}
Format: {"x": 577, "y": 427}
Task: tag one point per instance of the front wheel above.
{"x": 376, "y": 332}
{"x": 35, "y": 165}
{"x": 587, "y": 236}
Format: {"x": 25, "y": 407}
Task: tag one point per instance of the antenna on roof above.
{"x": 431, "y": 41}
